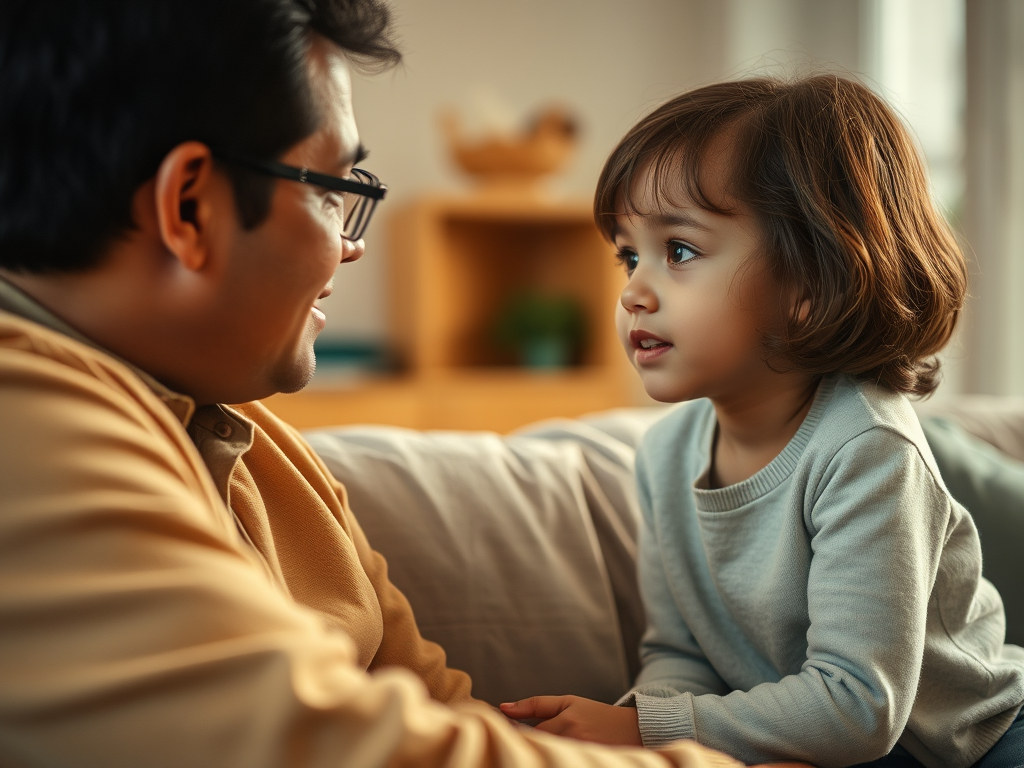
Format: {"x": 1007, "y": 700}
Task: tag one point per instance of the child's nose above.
{"x": 637, "y": 296}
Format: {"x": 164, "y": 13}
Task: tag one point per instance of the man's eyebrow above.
{"x": 356, "y": 156}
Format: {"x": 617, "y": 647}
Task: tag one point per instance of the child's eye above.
{"x": 679, "y": 252}
{"x": 628, "y": 259}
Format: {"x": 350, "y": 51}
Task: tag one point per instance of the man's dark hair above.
{"x": 95, "y": 93}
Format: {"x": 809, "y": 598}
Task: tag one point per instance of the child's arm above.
{"x": 588, "y": 720}
{"x": 671, "y": 659}
{"x": 578, "y": 718}
{"x": 878, "y": 521}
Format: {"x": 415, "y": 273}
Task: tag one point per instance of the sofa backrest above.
{"x": 517, "y": 552}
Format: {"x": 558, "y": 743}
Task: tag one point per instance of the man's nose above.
{"x": 351, "y": 250}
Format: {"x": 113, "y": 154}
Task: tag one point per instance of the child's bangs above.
{"x": 677, "y": 179}
{"x": 666, "y": 165}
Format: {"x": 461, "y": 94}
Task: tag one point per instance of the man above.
{"x": 181, "y": 582}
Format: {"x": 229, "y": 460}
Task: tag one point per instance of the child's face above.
{"x": 699, "y": 299}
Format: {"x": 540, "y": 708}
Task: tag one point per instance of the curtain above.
{"x": 993, "y": 334}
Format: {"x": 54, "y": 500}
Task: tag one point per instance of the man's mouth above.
{"x": 317, "y": 312}
{"x": 315, "y": 309}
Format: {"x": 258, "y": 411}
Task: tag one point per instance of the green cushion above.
{"x": 990, "y": 485}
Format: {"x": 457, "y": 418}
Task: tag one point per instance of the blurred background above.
{"x": 423, "y": 330}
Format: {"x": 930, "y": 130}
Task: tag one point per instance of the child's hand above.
{"x": 579, "y": 718}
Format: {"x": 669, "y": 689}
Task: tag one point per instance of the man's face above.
{"x": 277, "y": 272}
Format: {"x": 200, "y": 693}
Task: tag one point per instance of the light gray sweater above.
{"x": 824, "y": 608}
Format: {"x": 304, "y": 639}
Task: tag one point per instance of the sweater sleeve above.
{"x": 135, "y": 628}
{"x": 878, "y": 519}
{"x": 672, "y": 660}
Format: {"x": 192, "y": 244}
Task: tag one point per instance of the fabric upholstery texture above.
{"x": 990, "y": 485}
{"x": 517, "y": 552}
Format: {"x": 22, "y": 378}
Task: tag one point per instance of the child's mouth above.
{"x": 647, "y": 346}
{"x": 652, "y": 343}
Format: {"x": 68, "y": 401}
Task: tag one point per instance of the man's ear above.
{"x": 184, "y": 208}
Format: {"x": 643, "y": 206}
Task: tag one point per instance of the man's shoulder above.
{"x": 47, "y": 376}
{"x": 26, "y": 341}
{"x": 31, "y": 350}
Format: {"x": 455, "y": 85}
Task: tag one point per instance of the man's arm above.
{"x": 402, "y": 644}
{"x": 136, "y": 628}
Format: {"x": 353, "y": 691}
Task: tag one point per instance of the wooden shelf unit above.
{"x": 452, "y": 262}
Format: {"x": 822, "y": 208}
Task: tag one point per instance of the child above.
{"x": 812, "y": 591}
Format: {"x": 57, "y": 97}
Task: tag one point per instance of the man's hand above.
{"x": 579, "y": 718}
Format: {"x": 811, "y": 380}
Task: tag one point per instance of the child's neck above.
{"x": 752, "y": 431}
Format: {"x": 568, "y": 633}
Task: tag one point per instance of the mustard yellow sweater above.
{"x": 138, "y": 627}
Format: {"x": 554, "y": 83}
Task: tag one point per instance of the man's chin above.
{"x": 297, "y": 377}
{"x": 293, "y": 372}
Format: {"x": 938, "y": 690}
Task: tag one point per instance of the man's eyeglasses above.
{"x": 366, "y": 188}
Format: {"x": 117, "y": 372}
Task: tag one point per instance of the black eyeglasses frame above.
{"x": 369, "y": 188}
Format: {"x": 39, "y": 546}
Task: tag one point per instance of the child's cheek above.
{"x": 623, "y": 325}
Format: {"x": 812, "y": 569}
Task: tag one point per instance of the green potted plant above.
{"x": 546, "y": 330}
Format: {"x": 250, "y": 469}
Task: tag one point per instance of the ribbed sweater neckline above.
{"x": 769, "y": 478}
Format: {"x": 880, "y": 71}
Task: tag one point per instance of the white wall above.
{"x": 610, "y": 62}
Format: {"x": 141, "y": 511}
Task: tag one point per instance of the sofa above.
{"x": 518, "y": 551}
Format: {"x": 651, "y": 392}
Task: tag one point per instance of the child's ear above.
{"x": 799, "y": 305}
{"x": 802, "y": 310}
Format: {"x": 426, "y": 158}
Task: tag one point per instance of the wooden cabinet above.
{"x": 452, "y": 263}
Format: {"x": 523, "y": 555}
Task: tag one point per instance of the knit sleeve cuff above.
{"x": 664, "y": 720}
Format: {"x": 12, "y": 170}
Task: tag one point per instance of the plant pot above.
{"x": 548, "y": 353}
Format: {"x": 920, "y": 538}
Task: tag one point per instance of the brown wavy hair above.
{"x": 835, "y": 181}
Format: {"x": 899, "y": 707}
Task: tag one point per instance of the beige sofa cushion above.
{"x": 516, "y": 552}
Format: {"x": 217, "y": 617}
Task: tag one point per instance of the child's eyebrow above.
{"x": 665, "y": 220}
{"x": 678, "y": 220}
